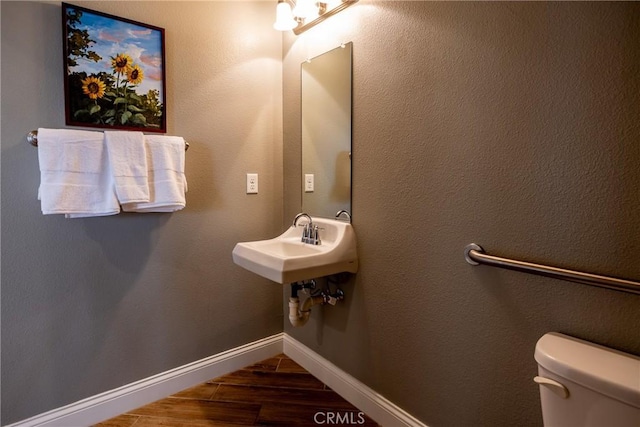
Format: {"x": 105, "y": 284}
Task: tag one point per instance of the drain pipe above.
{"x": 299, "y": 315}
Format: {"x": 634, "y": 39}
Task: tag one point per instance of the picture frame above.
{"x": 114, "y": 71}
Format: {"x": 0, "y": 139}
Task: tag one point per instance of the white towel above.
{"x": 167, "y": 181}
{"x": 75, "y": 177}
{"x": 129, "y": 165}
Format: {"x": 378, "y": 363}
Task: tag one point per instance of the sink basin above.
{"x": 285, "y": 259}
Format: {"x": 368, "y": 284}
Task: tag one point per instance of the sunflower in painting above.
{"x": 121, "y": 63}
{"x": 135, "y": 75}
{"x": 93, "y": 87}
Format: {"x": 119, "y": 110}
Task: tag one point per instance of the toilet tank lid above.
{"x": 605, "y": 370}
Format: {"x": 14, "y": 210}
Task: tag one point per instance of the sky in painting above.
{"x": 112, "y": 37}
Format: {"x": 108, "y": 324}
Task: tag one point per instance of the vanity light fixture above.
{"x": 306, "y": 13}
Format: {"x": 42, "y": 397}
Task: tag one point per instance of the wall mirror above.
{"x": 326, "y": 132}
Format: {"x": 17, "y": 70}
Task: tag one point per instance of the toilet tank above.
{"x": 584, "y": 384}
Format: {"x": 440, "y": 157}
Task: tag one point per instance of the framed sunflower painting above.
{"x": 114, "y": 71}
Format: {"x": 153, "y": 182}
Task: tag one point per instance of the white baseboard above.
{"x": 109, "y": 404}
{"x": 374, "y": 405}
{"x": 120, "y": 400}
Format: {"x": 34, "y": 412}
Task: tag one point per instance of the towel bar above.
{"x": 32, "y": 138}
{"x": 475, "y": 255}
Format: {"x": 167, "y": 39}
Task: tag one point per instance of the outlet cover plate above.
{"x": 309, "y": 183}
{"x": 252, "y": 183}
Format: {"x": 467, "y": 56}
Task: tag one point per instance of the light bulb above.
{"x": 305, "y": 9}
{"x": 284, "y": 17}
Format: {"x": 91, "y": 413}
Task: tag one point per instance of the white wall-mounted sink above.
{"x": 285, "y": 259}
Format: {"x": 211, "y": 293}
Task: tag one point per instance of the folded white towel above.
{"x": 167, "y": 181}
{"x": 128, "y": 161}
{"x": 75, "y": 177}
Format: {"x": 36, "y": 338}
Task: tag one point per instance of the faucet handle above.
{"x": 314, "y": 238}
{"x": 306, "y": 232}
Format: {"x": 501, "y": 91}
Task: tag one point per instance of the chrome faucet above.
{"x": 345, "y": 213}
{"x": 310, "y": 233}
{"x": 300, "y": 215}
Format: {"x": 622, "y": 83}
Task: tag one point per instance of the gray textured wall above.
{"x": 92, "y": 304}
{"x": 513, "y": 125}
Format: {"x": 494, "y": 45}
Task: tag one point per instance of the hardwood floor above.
{"x": 274, "y": 392}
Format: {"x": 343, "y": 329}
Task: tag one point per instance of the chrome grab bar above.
{"x": 475, "y": 255}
